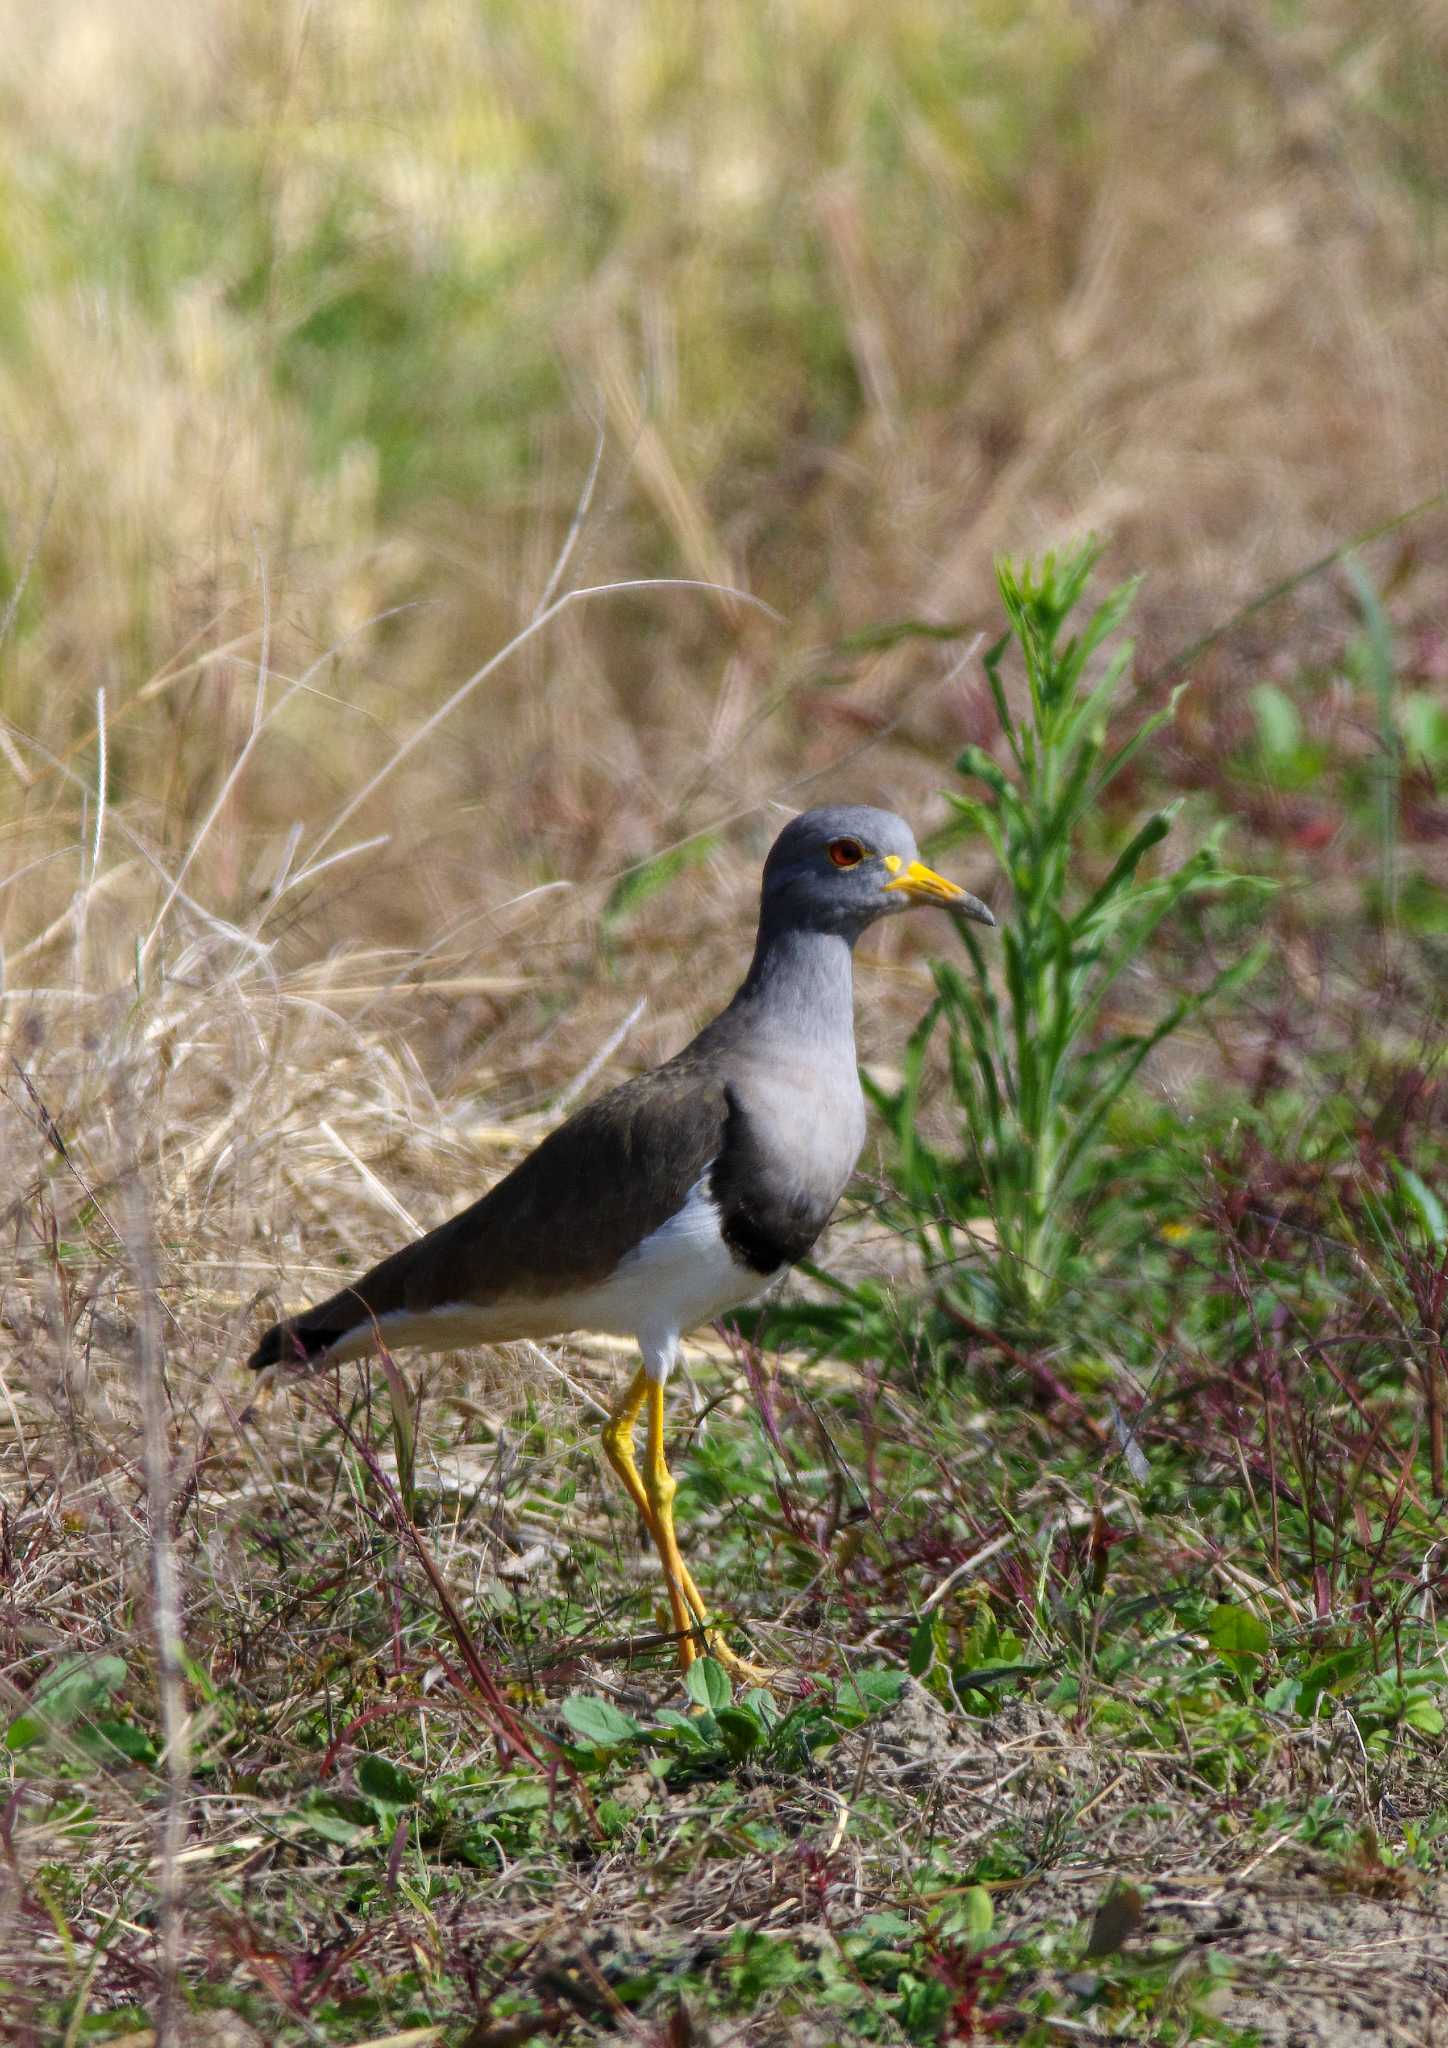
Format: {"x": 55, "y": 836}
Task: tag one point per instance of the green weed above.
{"x": 1032, "y": 1202}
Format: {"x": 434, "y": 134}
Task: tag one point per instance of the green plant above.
{"x": 1373, "y": 657}
{"x": 1039, "y": 1065}
{"x": 720, "y": 1732}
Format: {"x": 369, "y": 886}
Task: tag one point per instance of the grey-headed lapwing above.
{"x": 679, "y": 1195}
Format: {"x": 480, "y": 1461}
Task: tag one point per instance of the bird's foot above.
{"x": 739, "y": 1670}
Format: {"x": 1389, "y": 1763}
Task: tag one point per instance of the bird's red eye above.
{"x": 846, "y": 853}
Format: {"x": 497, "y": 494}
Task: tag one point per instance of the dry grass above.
{"x": 883, "y": 315}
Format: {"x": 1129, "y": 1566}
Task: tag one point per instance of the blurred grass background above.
{"x": 338, "y": 297}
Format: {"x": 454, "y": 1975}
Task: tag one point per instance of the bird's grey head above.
{"x": 839, "y": 868}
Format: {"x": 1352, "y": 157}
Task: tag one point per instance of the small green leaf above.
{"x": 690, "y": 1731}
{"x": 77, "y": 1684}
{"x": 707, "y": 1683}
{"x": 635, "y": 887}
{"x": 335, "y": 1819}
{"x": 871, "y": 1690}
{"x": 1279, "y": 728}
{"x": 524, "y": 1795}
{"x": 922, "y": 1648}
{"x": 598, "y": 1722}
{"x": 740, "y": 1732}
{"x": 886, "y": 1926}
{"x": 762, "y": 1705}
{"x": 1238, "y": 1632}
{"x": 975, "y": 1910}
{"x": 1425, "y": 1204}
{"x": 382, "y": 1782}
{"x": 116, "y": 1741}
{"x": 891, "y": 632}
{"x": 1333, "y": 1670}
{"x": 613, "y": 1816}
{"x": 70, "y": 1691}
{"x": 1424, "y": 1715}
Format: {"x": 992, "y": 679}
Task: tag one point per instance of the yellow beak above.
{"x": 922, "y": 885}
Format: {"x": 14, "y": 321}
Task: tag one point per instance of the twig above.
{"x": 495, "y": 661}
{"x": 165, "y": 1607}
{"x": 580, "y": 515}
{"x": 374, "y": 1186}
{"x": 1283, "y": 587}
{"x": 569, "y": 1094}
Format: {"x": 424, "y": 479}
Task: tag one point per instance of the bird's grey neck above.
{"x": 801, "y": 982}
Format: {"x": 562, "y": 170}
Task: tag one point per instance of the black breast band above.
{"x": 766, "y": 1219}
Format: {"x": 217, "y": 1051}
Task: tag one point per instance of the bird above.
{"x": 676, "y": 1196}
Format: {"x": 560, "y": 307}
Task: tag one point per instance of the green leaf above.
{"x": 691, "y": 1731}
{"x": 871, "y": 1690}
{"x": 1337, "y": 1668}
{"x": 924, "y": 2003}
{"x": 891, "y": 632}
{"x": 598, "y": 1722}
{"x": 886, "y": 1926}
{"x": 1279, "y": 728}
{"x": 116, "y": 1741}
{"x": 613, "y": 1816}
{"x": 1127, "y": 861}
{"x": 740, "y": 1732}
{"x": 638, "y": 884}
{"x": 922, "y": 1648}
{"x": 524, "y": 1795}
{"x": 76, "y": 1684}
{"x": 337, "y": 1819}
{"x": 70, "y": 1691}
{"x": 972, "y": 816}
{"x": 1131, "y": 746}
{"x": 975, "y": 761}
{"x": 1425, "y": 1204}
{"x": 762, "y": 1705}
{"x": 1238, "y": 1632}
{"x": 199, "y": 1677}
{"x": 1423, "y": 1714}
{"x": 707, "y": 1683}
{"x": 380, "y": 1780}
{"x": 977, "y": 1912}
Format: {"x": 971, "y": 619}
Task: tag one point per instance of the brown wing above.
{"x": 561, "y": 1220}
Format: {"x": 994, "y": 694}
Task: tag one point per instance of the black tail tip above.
{"x": 290, "y": 1344}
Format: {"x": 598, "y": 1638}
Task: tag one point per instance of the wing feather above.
{"x": 560, "y": 1222}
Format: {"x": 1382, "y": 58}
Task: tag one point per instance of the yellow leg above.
{"x": 618, "y": 1443}
{"x": 653, "y": 1495}
{"x": 618, "y": 1449}
{"x": 660, "y": 1487}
